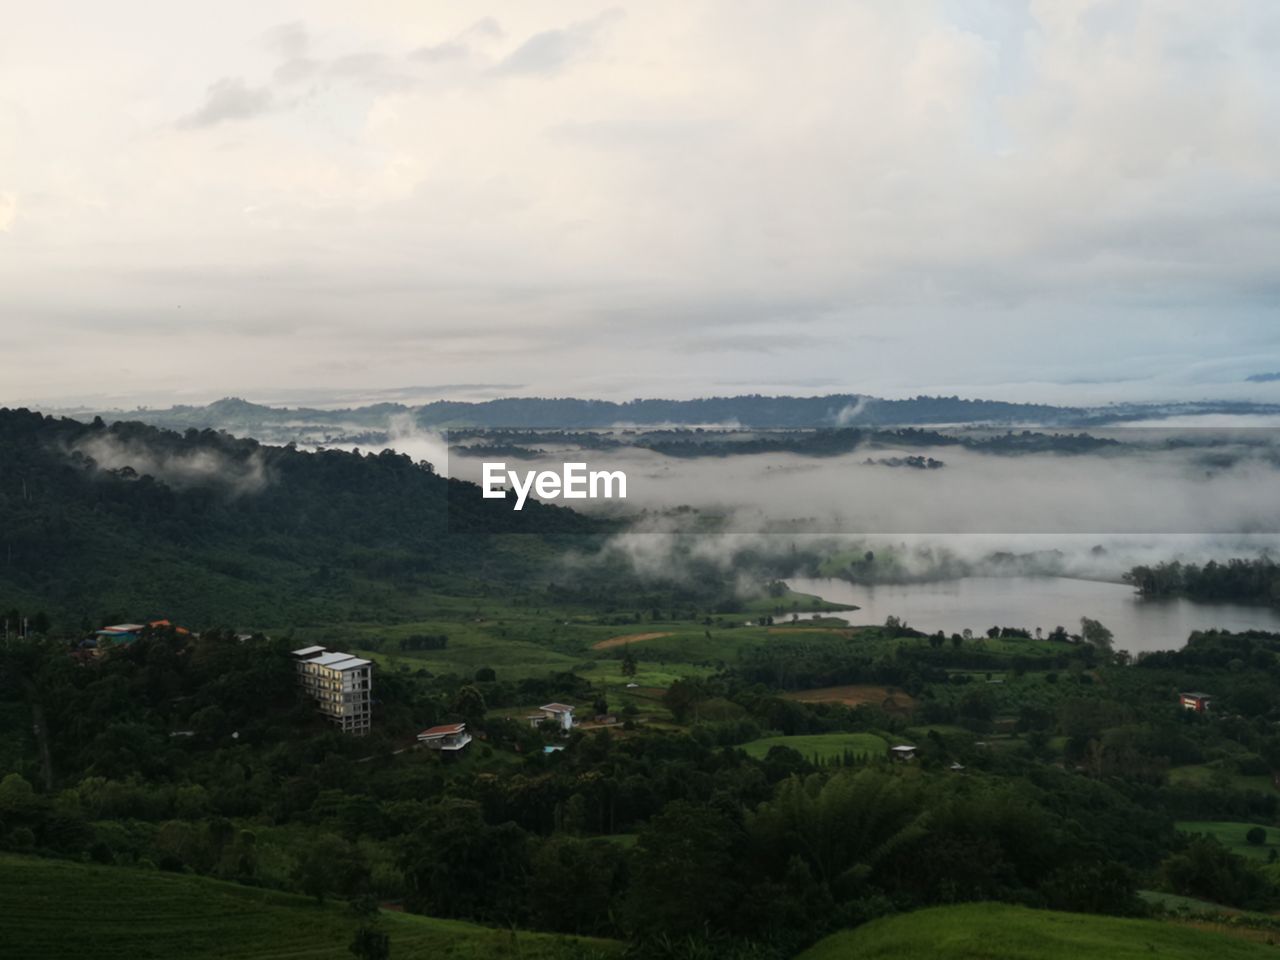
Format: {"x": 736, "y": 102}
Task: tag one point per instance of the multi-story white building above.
{"x": 340, "y": 683}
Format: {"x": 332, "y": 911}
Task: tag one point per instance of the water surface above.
{"x": 982, "y": 602}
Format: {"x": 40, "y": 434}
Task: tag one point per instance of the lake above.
{"x": 982, "y": 602}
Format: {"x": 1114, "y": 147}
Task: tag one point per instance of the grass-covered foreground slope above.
{"x": 55, "y": 909}
{"x": 990, "y": 931}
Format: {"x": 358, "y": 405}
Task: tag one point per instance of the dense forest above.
{"x": 1239, "y": 580}
{"x": 205, "y": 526}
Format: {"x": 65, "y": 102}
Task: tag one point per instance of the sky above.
{"x": 1067, "y": 201}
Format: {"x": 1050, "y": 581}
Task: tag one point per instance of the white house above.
{"x": 446, "y": 736}
{"x": 561, "y": 713}
{"x": 903, "y": 752}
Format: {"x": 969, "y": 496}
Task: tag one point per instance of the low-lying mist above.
{"x": 1122, "y": 491}
{"x": 236, "y": 476}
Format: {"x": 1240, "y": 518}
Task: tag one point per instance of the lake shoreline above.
{"x": 1140, "y": 625}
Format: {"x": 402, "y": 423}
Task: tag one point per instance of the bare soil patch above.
{"x": 854, "y": 695}
{"x": 623, "y": 640}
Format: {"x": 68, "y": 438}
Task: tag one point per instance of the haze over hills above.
{"x": 750, "y": 410}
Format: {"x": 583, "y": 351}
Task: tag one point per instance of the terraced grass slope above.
{"x": 50, "y": 910}
{"x": 989, "y": 931}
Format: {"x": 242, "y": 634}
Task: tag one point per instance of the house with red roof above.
{"x": 561, "y": 713}
{"x": 445, "y": 736}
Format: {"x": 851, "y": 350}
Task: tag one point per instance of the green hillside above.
{"x": 130, "y": 522}
{"x": 54, "y": 909}
{"x": 991, "y": 931}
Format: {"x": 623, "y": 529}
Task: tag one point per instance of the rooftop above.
{"x": 337, "y": 661}
{"x": 556, "y": 708}
{"x": 308, "y": 651}
{"x": 443, "y": 730}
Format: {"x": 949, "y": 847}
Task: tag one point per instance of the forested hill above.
{"x": 129, "y": 521}
{"x": 841, "y": 409}
{"x": 375, "y": 422}
{"x": 751, "y": 411}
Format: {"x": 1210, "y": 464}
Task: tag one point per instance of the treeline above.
{"x": 797, "y": 664}
{"x": 1240, "y": 580}
{"x": 834, "y": 442}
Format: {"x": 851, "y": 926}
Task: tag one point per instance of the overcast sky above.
{"x": 1061, "y": 200}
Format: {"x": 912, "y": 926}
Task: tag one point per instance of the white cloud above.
{"x": 878, "y": 197}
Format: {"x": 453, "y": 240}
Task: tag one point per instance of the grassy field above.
{"x": 54, "y": 909}
{"x": 1231, "y": 836}
{"x": 822, "y": 746}
{"x": 520, "y": 639}
{"x": 988, "y": 931}
{"x": 790, "y": 601}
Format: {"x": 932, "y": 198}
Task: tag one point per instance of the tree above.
{"x": 681, "y": 697}
{"x": 469, "y": 703}
{"x": 330, "y": 865}
{"x": 628, "y": 662}
{"x": 1256, "y": 837}
{"x": 457, "y": 865}
{"x": 1206, "y": 870}
{"x": 841, "y": 830}
{"x": 1096, "y": 634}
{"x": 18, "y": 800}
{"x": 577, "y": 880}
{"x": 686, "y": 847}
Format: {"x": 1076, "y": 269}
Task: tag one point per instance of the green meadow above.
{"x": 51, "y": 910}
{"x": 991, "y": 931}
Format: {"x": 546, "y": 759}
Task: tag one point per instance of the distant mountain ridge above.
{"x": 749, "y": 410}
